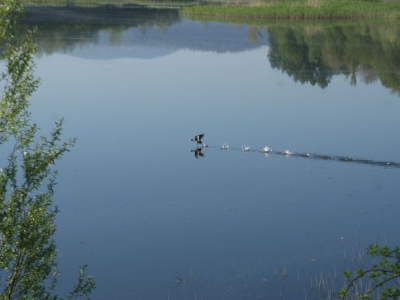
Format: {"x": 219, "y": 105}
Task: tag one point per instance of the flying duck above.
{"x": 198, "y": 138}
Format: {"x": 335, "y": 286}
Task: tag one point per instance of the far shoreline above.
{"x": 300, "y": 10}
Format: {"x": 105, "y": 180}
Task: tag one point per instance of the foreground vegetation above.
{"x": 300, "y": 10}
{"x": 28, "y": 254}
{"x": 383, "y": 277}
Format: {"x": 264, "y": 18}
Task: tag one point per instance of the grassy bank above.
{"x": 300, "y": 10}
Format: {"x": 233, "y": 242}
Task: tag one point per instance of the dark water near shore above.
{"x": 141, "y": 210}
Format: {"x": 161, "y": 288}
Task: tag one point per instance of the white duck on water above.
{"x": 287, "y": 153}
{"x": 266, "y": 149}
{"x": 246, "y": 148}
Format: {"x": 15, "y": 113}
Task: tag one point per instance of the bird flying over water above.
{"x": 198, "y": 138}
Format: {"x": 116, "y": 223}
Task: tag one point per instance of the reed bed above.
{"x": 257, "y": 9}
{"x": 301, "y": 10}
{"x": 317, "y": 278}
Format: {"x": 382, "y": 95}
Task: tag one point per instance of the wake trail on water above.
{"x": 266, "y": 150}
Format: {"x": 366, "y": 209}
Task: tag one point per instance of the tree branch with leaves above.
{"x": 384, "y": 276}
{"x": 28, "y": 253}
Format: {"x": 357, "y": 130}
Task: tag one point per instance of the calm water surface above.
{"x": 141, "y": 210}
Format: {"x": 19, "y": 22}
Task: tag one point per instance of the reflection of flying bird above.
{"x": 197, "y": 138}
{"x": 197, "y": 152}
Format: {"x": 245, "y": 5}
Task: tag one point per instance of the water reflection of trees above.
{"x": 67, "y": 28}
{"x": 307, "y": 53}
{"x": 254, "y": 34}
{"x": 314, "y": 54}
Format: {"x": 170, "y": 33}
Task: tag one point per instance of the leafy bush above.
{"x": 28, "y": 265}
{"x": 383, "y": 277}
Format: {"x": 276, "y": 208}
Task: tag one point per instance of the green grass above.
{"x": 301, "y": 10}
{"x": 256, "y": 9}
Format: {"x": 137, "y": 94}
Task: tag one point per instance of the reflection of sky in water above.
{"x": 236, "y": 98}
{"x": 137, "y": 206}
{"x": 153, "y": 41}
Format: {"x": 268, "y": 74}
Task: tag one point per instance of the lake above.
{"x": 156, "y": 217}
